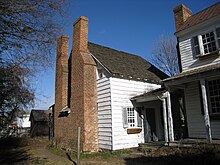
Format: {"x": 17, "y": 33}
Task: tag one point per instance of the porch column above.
{"x": 165, "y": 119}
{"x": 170, "y": 118}
{"x": 206, "y": 111}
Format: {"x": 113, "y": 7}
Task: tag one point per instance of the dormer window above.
{"x": 206, "y": 43}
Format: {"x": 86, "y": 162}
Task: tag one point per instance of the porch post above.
{"x": 206, "y": 111}
{"x": 165, "y": 120}
{"x": 170, "y": 118}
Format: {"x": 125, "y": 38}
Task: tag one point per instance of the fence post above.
{"x": 78, "y": 146}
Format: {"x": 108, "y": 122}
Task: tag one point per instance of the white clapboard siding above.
{"x": 187, "y": 60}
{"x": 121, "y": 92}
{"x": 104, "y": 113}
{"x": 195, "y": 119}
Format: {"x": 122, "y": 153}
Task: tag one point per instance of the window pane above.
{"x": 208, "y": 41}
{"x": 131, "y": 117}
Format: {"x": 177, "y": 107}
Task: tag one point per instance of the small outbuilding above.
{"x": 39, "y": 122}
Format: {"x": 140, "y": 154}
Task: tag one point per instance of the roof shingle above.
{"x": 126, "y": 66}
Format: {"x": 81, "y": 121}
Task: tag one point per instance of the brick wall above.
{"x": 181, "y": 14}
{"x": 83, "y": 101}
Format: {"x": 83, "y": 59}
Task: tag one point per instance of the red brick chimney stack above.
{"x": 83, "y": 89}
{"x": 61, "y": 84}
{"x": 62, "y": 71}
{"x": 181, "y": 14}
{"x": 80, "y": 34}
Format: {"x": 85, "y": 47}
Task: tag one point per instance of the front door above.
{"x": 150, "y": 125}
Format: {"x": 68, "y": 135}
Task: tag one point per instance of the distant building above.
{"x": 23, "y": 121}
{"x": 39, "y": 123}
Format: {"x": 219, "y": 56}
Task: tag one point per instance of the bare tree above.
{"x": 28, "y": 34}
{"x": 165, "y": 55}
{"x": 28, "y": 31}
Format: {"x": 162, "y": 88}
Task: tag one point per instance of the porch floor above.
{"x": 181, "y": 143}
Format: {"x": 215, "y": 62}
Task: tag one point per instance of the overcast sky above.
{"x": 132, "y": 26}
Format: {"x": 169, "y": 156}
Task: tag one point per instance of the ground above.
{"x": 24, "y": 151}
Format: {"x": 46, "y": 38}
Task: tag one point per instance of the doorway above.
{"x": 150, "y": 125}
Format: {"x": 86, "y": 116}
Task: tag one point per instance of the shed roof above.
{"x": 40, "y": 115}
{"x": 188, "y": 73}
{"x": 201, "y": 16}
{"x": 125, "y": 65}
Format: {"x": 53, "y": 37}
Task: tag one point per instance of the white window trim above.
{"x": 135, "y": 118}
{"x": 136, "y": 125}
{"x": 213, "y": 29}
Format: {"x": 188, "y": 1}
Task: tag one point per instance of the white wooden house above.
{"x": 198, "y": 38}
{"x": 121, "y": 76}
{"x": 197, "y": 88}
{"x": 94, "y": 88}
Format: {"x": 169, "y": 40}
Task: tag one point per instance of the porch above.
{"x": 187, "y": 142}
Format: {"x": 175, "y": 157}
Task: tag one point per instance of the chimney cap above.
{"x": 182, "y": 7}
{"x": 81, "y": 18}
{"x": 63, "y": 37}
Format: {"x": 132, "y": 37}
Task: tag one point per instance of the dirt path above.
{"x": 28, "y": 151}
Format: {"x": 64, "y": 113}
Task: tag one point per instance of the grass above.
{"x": 102, "y": 155}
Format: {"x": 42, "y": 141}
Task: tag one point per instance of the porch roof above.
{"x": 149, "y": 96}
{"x": 204, "y": 72}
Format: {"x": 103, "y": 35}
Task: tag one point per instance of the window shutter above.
{"x": 125, "y": 117}
{"x": 139, "y": 119}
{"x": 196, "y": 46}
{"x": 218, "y": 36}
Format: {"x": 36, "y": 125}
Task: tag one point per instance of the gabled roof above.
{"x": 40, "y": 115}
{"x": 126, "y": 66}
{"x": 202, "y": 16}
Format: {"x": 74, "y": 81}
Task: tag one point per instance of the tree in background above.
{"x": 28, "y": 34}
{"x": 164, "y": 55}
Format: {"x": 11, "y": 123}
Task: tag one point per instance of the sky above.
{"x": 133, "y": 26}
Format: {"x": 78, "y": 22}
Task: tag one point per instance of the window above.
{"x": 206, "y": 43}
{"x": 131, "y": 118}
{"x": 214, "y": 96}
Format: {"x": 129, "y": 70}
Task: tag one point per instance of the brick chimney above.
{"x": 83, "y": 89}
{"x": 80, "y": 34}
{"x": 181, "y": 14}
{"x": 61, "y": 84}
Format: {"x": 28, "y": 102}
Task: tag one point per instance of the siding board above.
{"x": 104, "y": 113}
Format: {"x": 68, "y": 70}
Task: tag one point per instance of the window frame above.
{"x": 137, "y": 124}
{"x": 201, "y": 45}
{"x": 209, "y": 97}
{"x": 131, "y": 117}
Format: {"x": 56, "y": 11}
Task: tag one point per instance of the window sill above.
{"x": 133, "y": 130}
{"x": 215, "y": 117}
{"x": 214, "y": 54}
